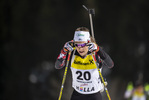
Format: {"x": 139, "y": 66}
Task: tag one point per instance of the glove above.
{"x": 68, "y": 46}
{"x": 92, "y": 47}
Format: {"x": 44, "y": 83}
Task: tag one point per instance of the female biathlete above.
{"x": 85, "y": 76}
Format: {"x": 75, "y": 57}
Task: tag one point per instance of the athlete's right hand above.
{"x": 68, "y": 46}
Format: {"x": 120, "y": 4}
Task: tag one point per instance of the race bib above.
{"x": 85, "y": 75}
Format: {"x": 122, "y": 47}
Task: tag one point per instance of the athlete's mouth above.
{"x": 81, "y": 51}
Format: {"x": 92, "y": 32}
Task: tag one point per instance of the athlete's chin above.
{"x": 83, "y": 54}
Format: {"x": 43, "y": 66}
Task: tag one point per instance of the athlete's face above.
{"x": 81, "y": 48}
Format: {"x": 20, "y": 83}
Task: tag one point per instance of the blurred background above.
{"x": 32, "y": 34}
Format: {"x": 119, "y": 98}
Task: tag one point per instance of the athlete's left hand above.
{"x": 92, "y": 47}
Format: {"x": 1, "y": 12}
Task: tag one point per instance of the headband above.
{"x": 81, "y": 36}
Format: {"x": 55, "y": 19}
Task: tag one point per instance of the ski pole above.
{"x": 106, "y": 89}
{"x": 92, "y": 11}
{"x": 64, "y": 76}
